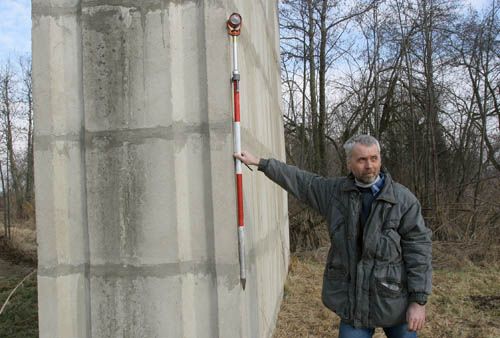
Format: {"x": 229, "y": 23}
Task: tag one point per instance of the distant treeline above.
{"x": 16, "y": 142}
{"x": 423, "y": 76}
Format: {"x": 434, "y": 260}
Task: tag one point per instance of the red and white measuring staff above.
{"x": 234, "y": 28}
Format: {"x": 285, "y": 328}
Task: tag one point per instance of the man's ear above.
{"x": 348, "y": 164}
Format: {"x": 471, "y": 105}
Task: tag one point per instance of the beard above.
{"x": 367, "y": 179}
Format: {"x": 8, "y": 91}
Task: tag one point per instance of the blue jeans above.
{"x": 398, "y": 331}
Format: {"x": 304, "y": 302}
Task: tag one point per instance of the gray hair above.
{"x": 366, "y": 140}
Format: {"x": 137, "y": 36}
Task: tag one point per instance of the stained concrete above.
{"x": 134, "y": 175}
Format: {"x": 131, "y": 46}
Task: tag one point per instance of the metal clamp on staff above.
{"x": 234, "y": 28}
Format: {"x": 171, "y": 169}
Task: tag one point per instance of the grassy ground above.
{"x": 465, "y": 303}
{"x": 20, "y": 317}
{"x": 17, "y": 259}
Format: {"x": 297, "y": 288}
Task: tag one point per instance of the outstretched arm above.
{"x": 312, "y": 189}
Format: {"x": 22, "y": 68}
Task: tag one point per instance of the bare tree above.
{"x": 27, "y": 99}
{"x": 422, "y": 76}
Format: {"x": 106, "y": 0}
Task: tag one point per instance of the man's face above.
{"x": 365, "y": 162}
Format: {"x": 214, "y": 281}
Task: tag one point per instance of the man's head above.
{"x": 363, "y": 157}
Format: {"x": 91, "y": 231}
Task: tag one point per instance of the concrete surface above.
{"x": 135, "y": 188}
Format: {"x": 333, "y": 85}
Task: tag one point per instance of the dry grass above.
{"x": 458, "y": 255}
{"x": 465, "y": 303}
{"x": 23, "y": 243}
{"x": 24, "y": 240}
{"x": 302, "y": 313}
{"x": 465, "y": 300}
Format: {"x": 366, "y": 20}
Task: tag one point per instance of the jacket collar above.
{"x": 387, "y": 193}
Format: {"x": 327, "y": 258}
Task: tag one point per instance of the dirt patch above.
{"x": 9, "y": 269}
{"x": 14, "y": 263}
{"x": 486, "y": 303}
{"x": 457, "y": 255}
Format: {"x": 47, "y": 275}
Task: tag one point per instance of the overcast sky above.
{"x": 15, "y": 27}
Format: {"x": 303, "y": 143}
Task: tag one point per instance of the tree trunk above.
{"x": 312, "y": 85}
{"x": 5, "y": 222}
{"x": 321, "y": 150}
{"x": 12, "y": 167}
{"x": 430, "y": 103}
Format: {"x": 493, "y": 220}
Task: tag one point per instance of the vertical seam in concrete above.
{"x": 88, "y": 280}
{"x": 209, "y": 190}
{"x": 175, "y": 184}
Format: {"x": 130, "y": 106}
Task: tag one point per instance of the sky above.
{"x": 478, "y": 4}
{"x": 15, "y": 27}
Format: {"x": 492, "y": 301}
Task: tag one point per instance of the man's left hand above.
{"x": 415, "y": 316}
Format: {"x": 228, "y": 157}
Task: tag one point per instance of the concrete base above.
{"x": 134, "y": 173}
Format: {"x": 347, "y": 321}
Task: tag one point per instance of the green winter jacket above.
{"x": 395, "y": 265}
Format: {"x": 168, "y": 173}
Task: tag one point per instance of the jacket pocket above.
{"x": 388, "y": 295}
{"x": 389, "y": 288}
{"x": 335, "y": 292}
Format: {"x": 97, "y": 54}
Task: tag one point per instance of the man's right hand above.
{"x": 247, "y": 158}
{"x": 415, "y": 316}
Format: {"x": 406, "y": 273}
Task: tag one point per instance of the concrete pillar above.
{"x": 135, "y": 189}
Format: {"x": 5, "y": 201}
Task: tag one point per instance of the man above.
{"x": 378, "y": 271}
